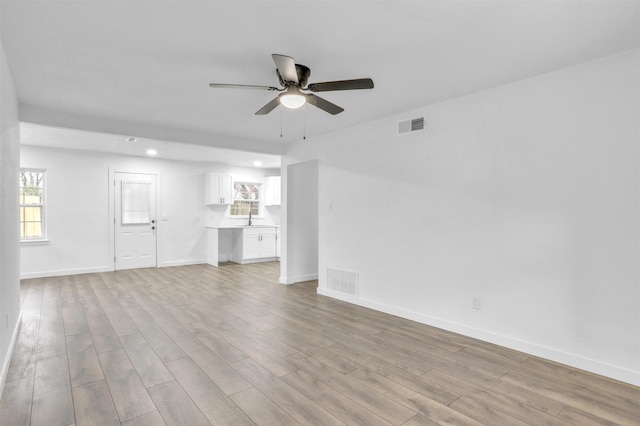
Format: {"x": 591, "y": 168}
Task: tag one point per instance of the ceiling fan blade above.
{"x": 360, "y": 83}
{"x": 286, "y": 67}
{"x": 324, "y": 104}
{"x": 269, "y": 107}
{"x": 241, "y": 86}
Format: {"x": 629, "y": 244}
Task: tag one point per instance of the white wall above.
{"x": 77, "y": 218}
{"x": 525, "y": 195}
{"x": 9, "y": 230}
{"x": 300, "y": 235}
{"x": 78, "y": 210}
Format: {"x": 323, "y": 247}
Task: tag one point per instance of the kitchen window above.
{"x": 246, "y": 198}
{"x": 32, "y": 205}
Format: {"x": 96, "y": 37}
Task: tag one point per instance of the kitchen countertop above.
{"x": 241, "y": 226}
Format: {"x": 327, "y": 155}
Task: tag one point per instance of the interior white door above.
{"x": 135, "y": 220}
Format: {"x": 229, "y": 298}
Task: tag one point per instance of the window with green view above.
{"x": 32, "y": 204}
{"x": 246, "y": 198}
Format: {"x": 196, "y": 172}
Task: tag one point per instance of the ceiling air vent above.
{"x": 409, "y": 126}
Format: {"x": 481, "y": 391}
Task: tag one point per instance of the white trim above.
{"x": 9, "y": 354}
{"x": 258, "y": 260}
{"x": 35, "y": 241}
{"x": 183, "y": 262}
{"x": 61, "y": 272}
{"x": 573, "y": 360}
{"x": 298, "y": 279}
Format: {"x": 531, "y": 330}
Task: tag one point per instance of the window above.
{"x": 136, "y": 204}
{"x": 246, "y": 198}
{"x": 32, "y": 204}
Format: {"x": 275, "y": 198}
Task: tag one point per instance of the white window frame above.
{"x": 42, "y": 205}
{"x": 260, "y": 200}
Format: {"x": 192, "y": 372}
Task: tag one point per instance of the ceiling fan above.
{"x": 293, "y": 79}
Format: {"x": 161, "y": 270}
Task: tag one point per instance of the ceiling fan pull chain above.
{"x": 280, "y": 122}
{"x": 304, "y": 130}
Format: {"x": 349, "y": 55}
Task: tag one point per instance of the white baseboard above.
{"x": 532, "y": 348}
{"x": 260, "y": 260}
{"x": 77, "y": 271}
{"x": 61, "y": 272}
{"x": 183, "y": 262}
{"x": 9, "y": 354}
{"x": 298, "y": 279}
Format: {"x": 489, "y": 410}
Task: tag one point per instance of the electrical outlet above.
{"x": 476, "y": 303}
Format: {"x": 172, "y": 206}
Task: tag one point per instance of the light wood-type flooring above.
{"x": 198, "y": 345}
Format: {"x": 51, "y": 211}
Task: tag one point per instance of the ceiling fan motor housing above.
{"x": 303, "y": 76}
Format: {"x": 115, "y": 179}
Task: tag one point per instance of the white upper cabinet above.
{"x": 272, "y": 191}
{"x": 218, "y": 189}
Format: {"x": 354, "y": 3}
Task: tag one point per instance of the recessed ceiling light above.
{"x": 257, "y": 163}
{"x": 131, "y": 139}
{"x": 151, "y": 151}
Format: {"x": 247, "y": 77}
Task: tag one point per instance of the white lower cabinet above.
{"x": 255, "y": 244}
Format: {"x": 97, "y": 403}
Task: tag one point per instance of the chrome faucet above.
{"x": 249, "y": 217}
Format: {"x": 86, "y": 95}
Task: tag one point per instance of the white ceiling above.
{"x": 47, "y": 136}
{"x": 144, "y": 66}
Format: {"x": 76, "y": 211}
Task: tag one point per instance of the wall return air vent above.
{"x": 409, "y": 126}
{"x": 342, "y": 281}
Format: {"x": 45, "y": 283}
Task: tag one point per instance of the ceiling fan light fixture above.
{"x": 292, "y": 100}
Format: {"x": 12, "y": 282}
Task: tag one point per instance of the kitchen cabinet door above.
{"x": 218, "y": 189}
{"x": 251, "y": 245}
{"x": 272, "y": 191}
{"x": 268, "y": 245}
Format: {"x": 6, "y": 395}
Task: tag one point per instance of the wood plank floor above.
{"x": 199, "y": 345}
